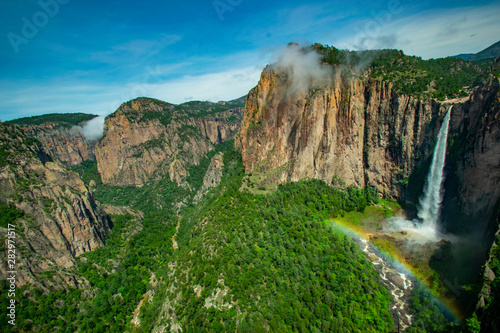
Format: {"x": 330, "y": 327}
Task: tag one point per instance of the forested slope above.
{"x": 269, "y": 263}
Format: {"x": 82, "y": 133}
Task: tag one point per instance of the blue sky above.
{"x": 90, "y": 56}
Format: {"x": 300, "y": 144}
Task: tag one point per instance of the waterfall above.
{"x": 430, "y": 202}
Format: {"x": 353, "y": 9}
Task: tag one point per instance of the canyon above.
{"x": 347, "y": 127}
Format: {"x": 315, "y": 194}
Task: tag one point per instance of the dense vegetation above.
{"x": 68, "y": 119}
{"x": 9, "y": 214}
{"x": 487, "y": 317}
{"x": 88, "y": 172}
{"x": 119, "y": 273}
{"x": 426, "y": 312}
{"x": 198, "y": 109}
{"x": 253, "y": 263}
{"x": 246, "y": 262}
{"x": 434, "y": 78}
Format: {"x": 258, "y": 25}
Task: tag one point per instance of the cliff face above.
{"x": 147, "y": 138}
{"x": 359, "y": 131}
{"x": 64, "y": 144}
{"x": 60, "y": 217}
{"x": 364, "y": 133}
{"x": 488, "y": 307}
{"x": 477, "y": 129}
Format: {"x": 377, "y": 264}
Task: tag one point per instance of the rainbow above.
{"x": 447, "y": 306}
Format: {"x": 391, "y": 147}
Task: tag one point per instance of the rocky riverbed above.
{"x": 396, "y": 279}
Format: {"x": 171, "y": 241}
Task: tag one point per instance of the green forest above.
{"x": 63, "y": 119}
{"x": 275, "y": 255}
{"x": 411, "y": 75}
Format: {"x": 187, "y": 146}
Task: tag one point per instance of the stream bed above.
{"x": 396, "y": 279}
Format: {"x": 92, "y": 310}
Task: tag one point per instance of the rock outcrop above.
{"x": 146, "y": 138}
{"x": 212, "y": 176}
{"x": 60, "y": 217}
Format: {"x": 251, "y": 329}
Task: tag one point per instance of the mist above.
{"x": 93, "y": 129}
{"x": 416, "y": 231}
{"x": 304, "y": 67}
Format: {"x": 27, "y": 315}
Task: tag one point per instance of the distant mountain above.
{"x": 464, "y": 56}
{"x": 491, "y": 52}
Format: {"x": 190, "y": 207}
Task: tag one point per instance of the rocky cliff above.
{"x": 56, "y": 218}
{"x": 62, "y": 136}
{"x": 362, "y": 131}
{"x": 488, "y": 306}
{"x": 66, "y": 145}
{"x": 358, "y": 130}
{"x": 146, "y": 138}
{"x": 476, "y": 133}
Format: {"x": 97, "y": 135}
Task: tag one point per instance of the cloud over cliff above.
{"x": 304, "y": 67}
{"x": 92, "y": 129}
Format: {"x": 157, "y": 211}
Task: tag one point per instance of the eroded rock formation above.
{"x": 60, "y": 217}
{"x": 146, "y": 138}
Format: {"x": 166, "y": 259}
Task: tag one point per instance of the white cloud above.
{"x": 431, "y": 34}
{"x": 303, "y": 67}
{"x": 134, "y": 49}
{"x": 214, "y": 87}
{"x": 92, "y": 129}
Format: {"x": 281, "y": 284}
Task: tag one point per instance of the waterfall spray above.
{"x": 430, "y": 203}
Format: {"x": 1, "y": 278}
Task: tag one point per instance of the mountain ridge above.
{"x": 492, "y": 51}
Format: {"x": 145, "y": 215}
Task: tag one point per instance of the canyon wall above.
{"x": 55, "y": 217}
{"x": 146, "y": 138}
{"x": 65, "y": 144}
{"x": 476, "y": 130}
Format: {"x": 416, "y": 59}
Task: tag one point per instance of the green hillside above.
{"x": 270, "y": 264}
{"x": 434, "y": 78}
{"x": 68, "y": 119}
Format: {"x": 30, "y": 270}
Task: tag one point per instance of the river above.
{"x": 396, "y": 278}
